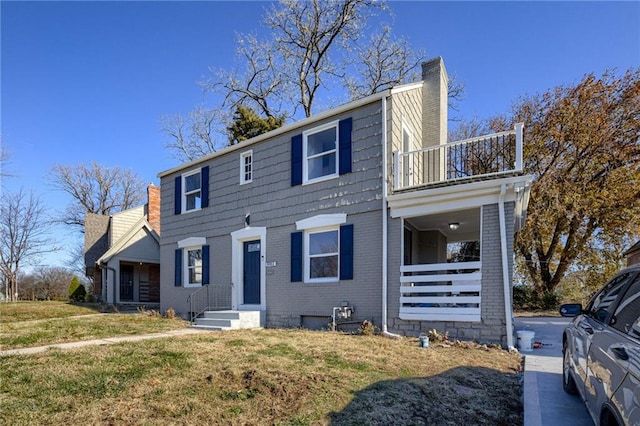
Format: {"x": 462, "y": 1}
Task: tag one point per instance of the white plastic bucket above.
{"x": 525, "y": 340}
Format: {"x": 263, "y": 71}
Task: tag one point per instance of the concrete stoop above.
{"x": 227, "y": 320}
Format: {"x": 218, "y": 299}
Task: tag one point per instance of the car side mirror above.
{"x": 571, "y": 309}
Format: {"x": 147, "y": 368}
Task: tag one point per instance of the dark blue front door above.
{"x": 251, "y": 273}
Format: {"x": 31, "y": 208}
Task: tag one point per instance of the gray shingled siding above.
{"x": 492, "y": 328}
{"x": 273, "y": 203}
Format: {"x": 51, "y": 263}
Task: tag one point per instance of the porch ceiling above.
{"x": 468, "y": 220}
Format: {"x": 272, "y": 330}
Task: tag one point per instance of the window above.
{"x": 598, "y": 308}
{"x": 321, "y": 153}
{"x": 626, "y": 318}
{"x": 193, "y": 266}
{"x": 246, "y": 167}
{"x": 322, "y": 249}
{"x": 192, "y": 262}
{"x": 192, "y": 191}
{"x": 320, "y": 147}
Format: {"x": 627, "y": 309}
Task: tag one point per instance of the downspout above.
{"x": 385, "y": 242}
{"x": 505, "y": 269}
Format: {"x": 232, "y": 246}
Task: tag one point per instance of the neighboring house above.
{"x": 633, "y": 254}
{"x": 122, "y": 253}
{"x": 360, "y": 206}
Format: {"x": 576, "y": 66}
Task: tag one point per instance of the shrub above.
{"x": 170, "y": 313}
{"x": 367, "y": 328}
{"x": 77, "y": 291}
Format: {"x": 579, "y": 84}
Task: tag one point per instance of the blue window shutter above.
{"x": 178, "y": 268}
{"x": 296, "y": 257}
{"x": 178, "y": 195}
{"x": 296, "y": 160}
{"x": 204, "y": 186}
{"x": 346, "y": 252}
{"x": 205, "y": 265}
{"x": 344, "y": 134}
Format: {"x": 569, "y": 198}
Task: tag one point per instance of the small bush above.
{"x": 170, "y": 313}
{"x": 528, "y": 298}
{"x": 77, "y": 292}
{"x": 367, "y": 328}
{"x": 437, "y": 336}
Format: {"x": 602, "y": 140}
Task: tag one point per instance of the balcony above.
{"x": 483, "y": 157}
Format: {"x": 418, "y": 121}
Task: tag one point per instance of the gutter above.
{"x": 385, "y": 242}
{"x": 505, "y": 269}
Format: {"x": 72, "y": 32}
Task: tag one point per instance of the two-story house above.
{"x": 364, "y": 206}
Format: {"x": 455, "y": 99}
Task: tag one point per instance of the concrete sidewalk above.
{"x": 105, "y": 341}
{"x": 545, "y": 402}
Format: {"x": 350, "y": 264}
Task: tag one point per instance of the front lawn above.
{"x": 24, "y": 311}
{"x": 266, "y": 376}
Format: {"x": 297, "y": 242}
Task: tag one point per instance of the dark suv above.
{"x": 601, "y": 351}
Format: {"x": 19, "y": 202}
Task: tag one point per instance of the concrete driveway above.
{"x": 545, "y": 402}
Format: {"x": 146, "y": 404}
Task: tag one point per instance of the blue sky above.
{"x": 89, "y": 81}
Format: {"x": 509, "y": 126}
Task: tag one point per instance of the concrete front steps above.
{"x": 227, "y": 320}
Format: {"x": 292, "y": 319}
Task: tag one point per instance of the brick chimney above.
{"x": 434, "y": 102}
{"x": 153, "y": 207}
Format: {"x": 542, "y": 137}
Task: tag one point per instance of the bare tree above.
{"x": 96, "y": 189}
{"x": 384, "y": 62}
{"x": 314, "y": 46}
{"x": 46, "y": 283}
{"x": 22, "y": 235}
{"x": 5, "y": 154}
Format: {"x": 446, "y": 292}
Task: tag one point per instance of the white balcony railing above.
{"x": 488, "y": 155}
{"x": 441, "y": 292}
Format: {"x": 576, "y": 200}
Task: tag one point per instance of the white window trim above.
{"x": 307, "y": 256}
{"x": 322, "y": 221}
{"x": 184, "y": 190}
{"x": 192, "y": 242}
{"x": 243, "y": 156}
{"x": 185, "y": 267}
{"x": 305, "y": 159}
{"x": 315, "y": 224}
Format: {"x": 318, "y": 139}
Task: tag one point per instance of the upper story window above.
{"x": 246, "y": 167}
{"x": 192, "y": 191}
{"x": 320, "y": 153}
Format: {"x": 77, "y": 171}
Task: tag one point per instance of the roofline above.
{"x": 142, "y": 223}
{"x": 281, "y": 130}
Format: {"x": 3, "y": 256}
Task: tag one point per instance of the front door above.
{"x": 126, "y": 282}
{"x": 251, "y": 273}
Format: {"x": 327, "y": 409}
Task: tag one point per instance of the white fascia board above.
{"x": 281, "y": 130}
{"x": 454, "y": 197}
{"x": 321, "y": 221}
{"x": 406, "y": 87}
{"x": 192, "y": 242}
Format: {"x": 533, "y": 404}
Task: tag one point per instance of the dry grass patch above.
{"x": 27, "y": 311}
{"x": 264, "y": 377}
{"x": 42, "y": 332}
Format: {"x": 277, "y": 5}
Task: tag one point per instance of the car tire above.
{"x": 568, "y": 384}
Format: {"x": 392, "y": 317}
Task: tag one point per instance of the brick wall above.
{"x": 153, "y": 207}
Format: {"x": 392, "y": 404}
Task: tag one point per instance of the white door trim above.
{"x": 237, "y": 256}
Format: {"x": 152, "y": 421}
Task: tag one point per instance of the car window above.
{"x": 598, "y": 308}
{"x": 626, "y": 317}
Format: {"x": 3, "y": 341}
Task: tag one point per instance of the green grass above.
{"x": 26, "y": 311}
{"x": 281, "y": 377}
{"x": 62, "y": 328}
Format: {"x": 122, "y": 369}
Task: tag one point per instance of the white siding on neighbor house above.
{"x": 122, "y": 222}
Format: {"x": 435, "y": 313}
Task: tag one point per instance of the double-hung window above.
{"x": 246, "y": 167}
{"x": 192, "y": 191}
{"x": 193, "y": 266}
{"x": 323, "y": 252}
{"x": 322, "y": 249}
{"x": 320, "y": 153}
{"x": 192, "y": 262}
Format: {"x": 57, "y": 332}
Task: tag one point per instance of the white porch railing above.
{"x": 488, "y": 155}
{"x": 441, "y": 291}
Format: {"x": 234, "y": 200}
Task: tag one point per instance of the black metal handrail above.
{"x": 209, "y": 297}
